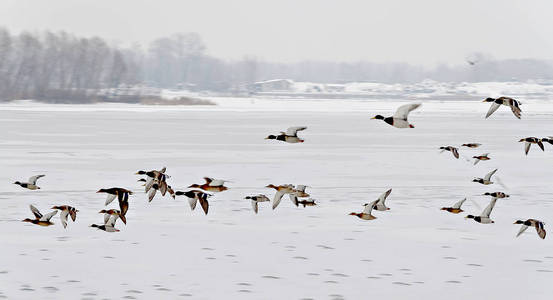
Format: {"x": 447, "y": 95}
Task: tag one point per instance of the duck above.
{"x": 281, "y": 191}
{"x": 194, "y": 196}
{"x": 399, "y": 119}
{"x": 478, "y": 158}
{"x": 256, "y": 199}
{"x": 105, "y": 227}
{"x": 66, "y": 210}
{"x": 456, "y": 208}
{"x": 471, "y": 145}
{"x": 499, "y": 195}
{"x": 453, "y": 150}
{"x": 290, "y": 136}
{"x": 113, "y": 213}
{"x": 380, "y": 204}
{"x": 496, "y": 103}
{"x": 122, "y": 196}
{"x": 31, "y": 183}
{"x": 366, "y": 213}
{"x": 41, "y": 220}
{"x": 487, "y": 179}
{"x": 484, "y": 217}
{"x": 299, "y": 192}
{"x": 211, "y": 185}
{"x": 308, "y": 202}
{"x": 155, "y": 176}
{"x": 529, "y": 141}
{"x": 539, "y": 225}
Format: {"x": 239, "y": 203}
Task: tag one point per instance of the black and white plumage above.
{"x": 256, "y": 199}
{"x": 195, "y": 196}
{"x": 381, "y": 203}
{"x": 539, "y": 225}
{"x": 290, "y": 136}
{"x": 452, "y": 149}
{"x": 487, "y": 179}
{"x": 484, "y": 217}
{"x": 109, "y": 223}
{"x": 66, "y": 211}
{"x": 299, "y": 192}
{"x": 529, "y": 141}
{"x": 399, "y": 119}
{"x": 510, "y": 102}
{"x": 40, "y": 219}
{"x": 31, "y": 182}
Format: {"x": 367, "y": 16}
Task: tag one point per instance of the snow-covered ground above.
{"x": 168, "y": 252}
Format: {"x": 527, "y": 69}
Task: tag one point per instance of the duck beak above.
{"x": 373, "y": 118}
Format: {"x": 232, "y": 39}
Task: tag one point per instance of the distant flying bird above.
{"x": 113, "y": 213}
{"x": 308, "y": 202}
{"x": 256, "y": 199}
{"x": 399, "y": 119}
{"x": 299, "y": 192}
{"x": 290, "y": 136}
{"x": 539, "y": 225}
{"x": 496, "y": 195}
{"x": 496, "y": 103}
{"x": 211, "y": 185}
{"x": 108, "y": 226}
{"x": 487, "y": 179}
{"x": 456, "y": 208}
{"x": 484, "y": 218}
{"x": 471, "y": 145}
{"x": 529, "y": 141}
{"x": 471, "y": 62}
{"x": 478, "y": 158}
{"x": 452, "y": 149}
{"x": 194, "y": 196}
{"x": 66, "y": 210}
{"x": 281, "y": 190}
{"x": 31, "y": 183}
{"x": 42, "y": 220}
{"x": 366, "y": 213}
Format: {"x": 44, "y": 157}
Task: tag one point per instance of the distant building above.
{"x": 274, "y": 85}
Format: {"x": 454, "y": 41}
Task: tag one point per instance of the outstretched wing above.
{"x": 383, "y": 197}
{"x": 254, "y": 206}
{"x": 111, "y": 221}
{"x": 276, "y": 200}
{"x": 455, "y": 152}
{"x": 526, "y": 147}
{"x": 215, "y": 182}
{"x": 73, "y": 214}
{"x": 293, "y": 131}
{"x": 301, "y": 188}
{"x": 403, "y": 111}
{"x": 486, "y": 213}
{"x": 204, "y": 203}
{"x": 110, "y": 198}
{"x": 492, "y": 109}
{"x": 192, "y": 202}
{"x": 489, "y": 175}
{"x": 151, "y": 194}
{"x": 33, "y": 179}
{"x": 294, "y": 199}
{"x": 522, "y": 229}
{"x": 459, "y": 203}
{"x": 35, "y": 211}
{"x": 515, "y": 109}
{"x": 369, "y": 207}
{"x": 541, "y": 145}
{"x": 63, "y": 217}
{"x": 540, "y": 228}
{"x": 48, "y": 216}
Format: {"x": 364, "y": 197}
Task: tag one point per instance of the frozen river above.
{"x": 167, "y": 251}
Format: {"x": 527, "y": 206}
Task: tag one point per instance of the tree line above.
{"x": 59, "y": 66}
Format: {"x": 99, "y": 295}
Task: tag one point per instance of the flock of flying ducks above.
{"x": 156, "y": 181}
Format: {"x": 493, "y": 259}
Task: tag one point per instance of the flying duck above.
{"x": 256, "y": 199}
{"x": 456, "y": 208}
{"x": 31, "y": 183}
{"x": 122, "y": 196}
{"x": 471, "y": 145}
{"x": 539, "y": 225}
{"x": 399, "y": 119}
{"x": 529, "y": 141}
{"x": 290, "y": 136}
{"x": 281, "y": 191}
{"x": 194, "y": 196}
{"x": 496, "y": 103}
{"x": 380, "y": 204}
{"x": 113, "y": 213}
{"x": 484, "y": 217}
{"x": 486, "y": 179}
{"x": 478, "y": 158}
{"x": 299, "y": 192}
{"x": 66, "y": 210}
{"x": 366, "y": 213}
{"x": 453, "y": 150}
{"x": 308, "y": 202}
{"x": 211, "y": 185}
{"x": 42, "y": 220}
{"x": 496, "y": 195}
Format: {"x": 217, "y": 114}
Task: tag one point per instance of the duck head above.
{"x": 378, "y": 117}
{"x": 271, "y": 137}
{"x": 194, "y": 186}
{"x": 469, "y": 217}
{"x": 354, "y": 214}
{"x": 27, "y": 220}
{"x": 519, "y": 222}
{"x": 489, "y": 100}
{"x": 141, "y": 172}
{"x": 17, "y": 182}
{"x": 101, "y": 191}
{"x": 272, "y": 186}
{"x": 522, "y": 140}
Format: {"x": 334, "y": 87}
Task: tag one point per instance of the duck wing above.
{"x": 522, "y": 229}
{"x": 123, "y": 202}
{"x": 151, "y": 194}
{"x": 492, "y": 109}
{"x": 384, "y": 196}
{"x": 63, "y": 216}
{"x": 106, "y": 218}
{"x": 403, "y": 111}
{"x": 111, "y": 221}
{"x": 204, "y": 203}
{"x": 278, "y": 197}
{"x": 192, "y": 202}
{"x": 489, "y": 175}
{"x": 369, "y": 207}
{"x": 294, "y": 199}
{"x": 486, "y": 213}
{"x": 35, "y": 211}
{"x": 110, "y": 198}
{"x": 540, "y": 229}
{"x": 149, "y": 183}
{"x": 254, "y": 206}
{"x": 515, "y": 109}
{"x": 455, "y": 152}
{"x": 458, "y": 204}
{"x": 526, "y": 147}
{"x": 48, "y": 216}
{"x": 293, "y": 131}
{"x": 33, "y": 179}
{"x": 540, "y": 143}
{"x": 73, "y": 214}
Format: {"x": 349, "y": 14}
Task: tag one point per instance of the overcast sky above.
{"x": 420, "y": 32}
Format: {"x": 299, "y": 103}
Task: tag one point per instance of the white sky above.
{"x": 415, "y": 31}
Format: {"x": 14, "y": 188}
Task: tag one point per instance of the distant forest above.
{"x": 59, "y": 66}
